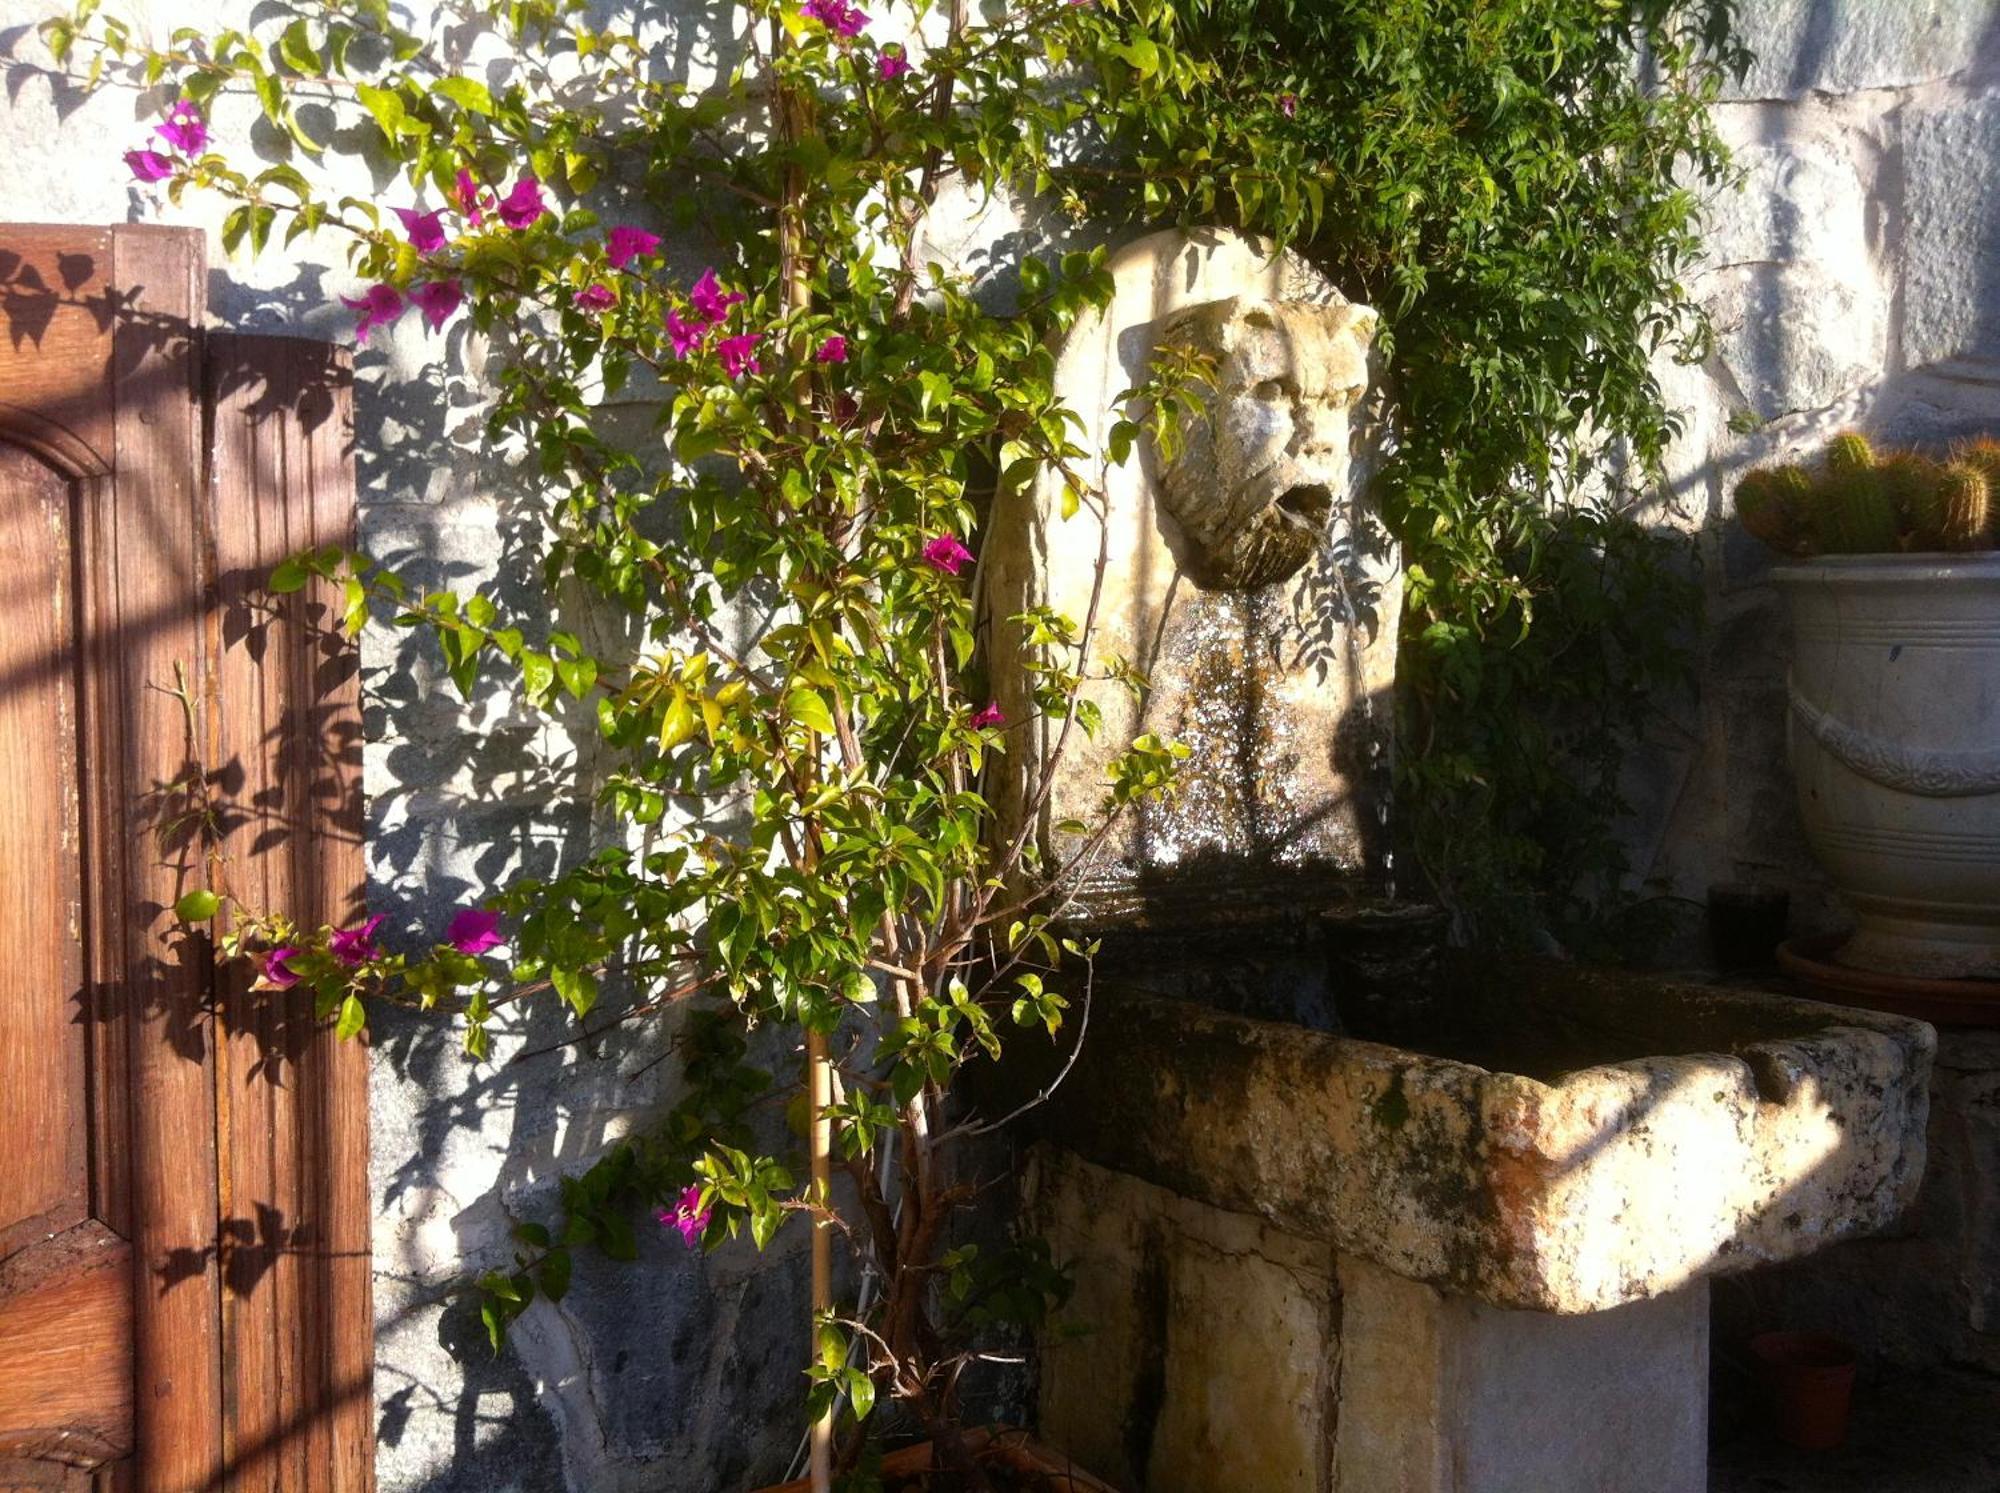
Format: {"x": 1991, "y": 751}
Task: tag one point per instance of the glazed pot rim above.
{"x": 1888, "y": 570}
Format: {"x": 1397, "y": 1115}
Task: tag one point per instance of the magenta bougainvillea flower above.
{"x": 686, "y": 336}
{"x": 688, "y": 1216}
{"x": 710, "y": 301}
{"x": 833, "y": 350}
{"x": 470, "y": 198}
{"x": 1288, "y": 105}
{"x": 595, "y": 297}
{"x": 439, "y": 301}
{"x": 623, "y": 245}
{"x": 836, "y": 15}
{"x": 426, "y": 230}
{"x": 989, "y": 717}
{"x": 736, "y": 355}
{"x": 947, "y": 554}
{"x": 891, "y": 65}
{"x": 149, "y": 165}
{"x": 356, "y": 945}
{"x": 278, "y": 971}
{"x": 523, "y": 207}
{"x": 185, "y": 129}
{"x": 379, "y": 306}
{"x": 474, "y": 931}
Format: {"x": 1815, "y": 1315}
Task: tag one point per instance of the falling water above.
{"x": 1358, "y": 687}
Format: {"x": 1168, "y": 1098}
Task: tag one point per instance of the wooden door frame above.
{"x": 189, "y": 462}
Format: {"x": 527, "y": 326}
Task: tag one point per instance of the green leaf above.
{"x": 553, "y": 1277}
{"x": 197, "y": 906}
{"x": 577, "y": 987}
{"x": 809, "y": 710}
{"x": 680, "y": 721}
{"x": 288, "y": 575}
{"x": 538, "y": 675}
{"x": 295, "y": 48}
{"x": 467, "y": 93}
{"x": 386, "y": 106}
{"x": 353, "y": 1018}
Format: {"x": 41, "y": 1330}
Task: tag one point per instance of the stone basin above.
{"x": 1556, "y": 1140}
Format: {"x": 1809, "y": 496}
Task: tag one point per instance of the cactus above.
{"x": 1984, "y": 454}
{"x": 1771, "y": 504}
{"x": 1911, "y": 482}
{"x": 1848, "y": 453}
{"x": 1852, "y": 515}
{"x": 1962, "y": 501}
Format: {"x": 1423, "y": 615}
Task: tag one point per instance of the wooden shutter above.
{"x": 184, "y": 1215}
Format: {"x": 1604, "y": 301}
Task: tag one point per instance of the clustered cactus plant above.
{"x": 1860, "y": 501}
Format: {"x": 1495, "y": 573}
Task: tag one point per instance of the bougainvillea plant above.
{"x": 801, "y": 839}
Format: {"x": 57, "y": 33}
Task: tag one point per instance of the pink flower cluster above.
{"x": 709, "y": 307}
{"x": 439, "y": 300}
{"x": 184, "y": 129}
{"x": 947, "y": 554}
{"x": 837, "y": 16}
{"x": 474, "y": 930}
{"x": 688, "y": 1216}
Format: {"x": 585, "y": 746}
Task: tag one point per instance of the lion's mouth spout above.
{"x": 1308, "y": 505}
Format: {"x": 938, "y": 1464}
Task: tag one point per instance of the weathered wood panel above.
{"x": 287, "y": 741}
{"x": 159, "y": 528}
{"x": 44, "y": 1109}
{"x": 66, "y": 1332}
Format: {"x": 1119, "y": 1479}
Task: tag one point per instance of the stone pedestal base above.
{"x": 1207, "y": 1352}
{"x": 1444, "y": 1394}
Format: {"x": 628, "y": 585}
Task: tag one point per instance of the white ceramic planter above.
{"x": 1895, "y": 749}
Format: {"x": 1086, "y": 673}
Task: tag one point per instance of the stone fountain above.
{"x": 1422, "y": 1226}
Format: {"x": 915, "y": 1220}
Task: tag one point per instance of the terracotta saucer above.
{"x": 1943, "y": 1002}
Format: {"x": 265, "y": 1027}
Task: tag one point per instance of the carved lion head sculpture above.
{"x": 1254, "y": 485}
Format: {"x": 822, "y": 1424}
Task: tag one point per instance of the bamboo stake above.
{"x": 790, "y": 109}
{"x": 819, "y": 1071}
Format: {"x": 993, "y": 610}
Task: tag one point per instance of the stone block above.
{"x": 1197, "y": 1353}
{"x": 1951, "y": 241}
{"x": 1803, "y": 200}
{"x": 1442, "y": 1394}
{"x": 1797, "y": 337}
{"x": 1845, "y": 46}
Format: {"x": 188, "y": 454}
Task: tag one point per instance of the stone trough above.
{"x": 1477, "y": 1267}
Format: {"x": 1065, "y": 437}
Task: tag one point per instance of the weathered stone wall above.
{"x": 1855, "y": 282}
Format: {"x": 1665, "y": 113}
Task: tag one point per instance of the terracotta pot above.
{"x": 1895, "y": 750}
{"x": 1810, "y": 1377}
{"x": 1811, "y": 961}
{"x": 1002, "y": 1448}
